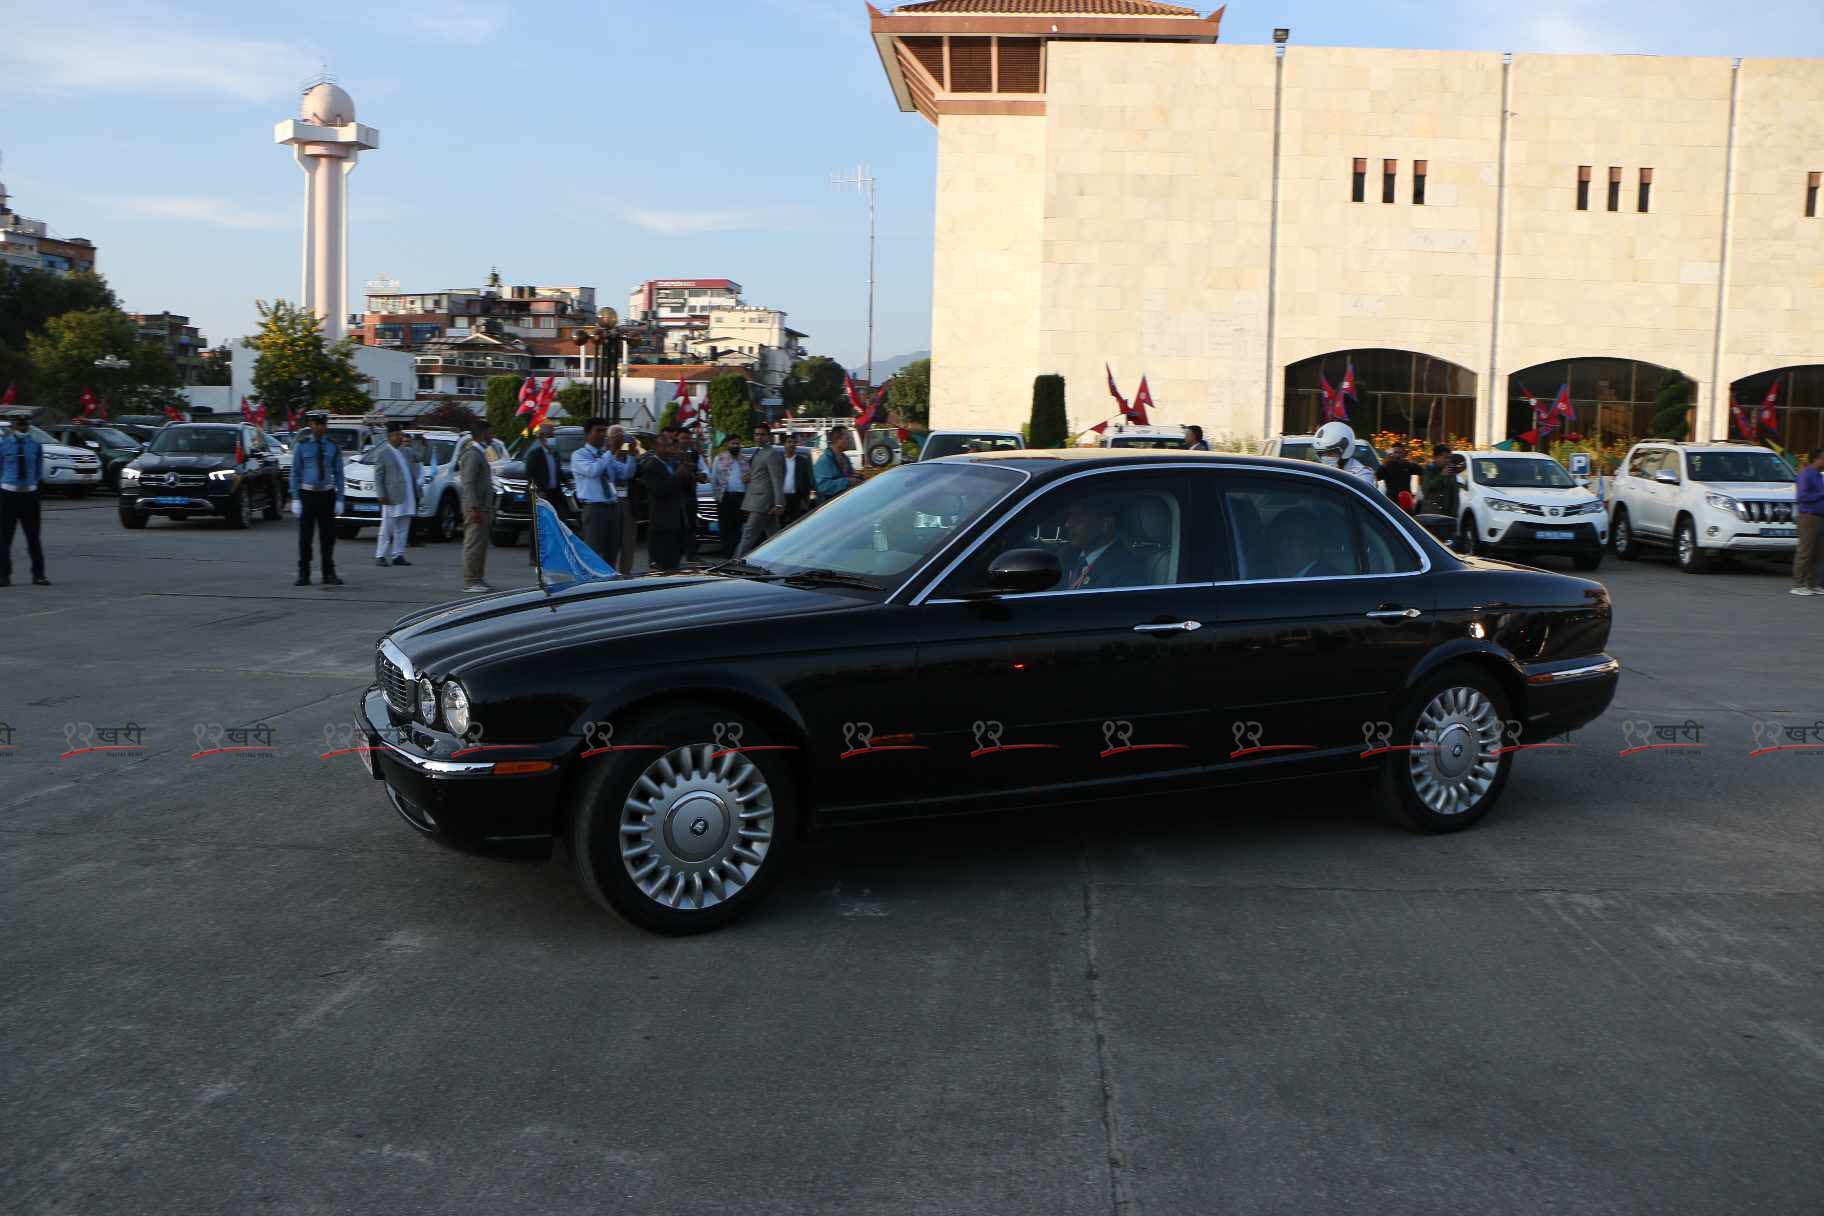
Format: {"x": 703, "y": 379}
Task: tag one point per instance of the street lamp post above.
{"x": 605, "y": 375}
{"x": 863, "y": 181}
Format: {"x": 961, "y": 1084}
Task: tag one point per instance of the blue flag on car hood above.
{"x": 562, "y": 558}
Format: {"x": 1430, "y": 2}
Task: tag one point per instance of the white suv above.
{"x": 1703, "y": 500}
{"x": 1525, "y": 504}
{"x": 439, "y": 502}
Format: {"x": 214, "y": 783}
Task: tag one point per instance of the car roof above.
{"x": 212, "y": 425}
{"x": 1503, "y": 453}
{"x": 1045, "y": 463}
{"x": 1701, "y": 445}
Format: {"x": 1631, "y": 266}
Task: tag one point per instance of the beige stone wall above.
{"x": 986, "y": 307}
{"x": 1132, "y": 224}
{"x": 1774, "y": 315}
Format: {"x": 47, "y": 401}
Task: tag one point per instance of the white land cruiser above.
{"x": 1143, "y": 437}
{"x": 1525, "y": 504}
{"x": 939, "y": 444}
{"x": 439, "y": 501}
{"x": 1702, "y": 500}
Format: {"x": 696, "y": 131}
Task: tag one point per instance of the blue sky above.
{"x": 597, "y": 143}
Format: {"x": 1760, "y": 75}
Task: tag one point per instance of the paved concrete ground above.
{"x": 239, "y": 983}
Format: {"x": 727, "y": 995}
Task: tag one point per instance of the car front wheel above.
{"x": 130, "y": 518}
{"x": 1451, "y": 761}
{"x": 1692, "y": 558}
{"x": 238, "y": 510}
{"x": 449, "y": 519}
{"x": 275, "y": 500}
{"x": 1466, "y": 532}
{"x": 686, "y": 823}
{"x": 1621, "y": 535}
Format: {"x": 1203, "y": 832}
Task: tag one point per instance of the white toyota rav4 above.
{"x": 1703, "y": 500}
{"x": 1525, "y": 504}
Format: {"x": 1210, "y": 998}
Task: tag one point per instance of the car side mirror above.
{"x": 1666, "y": 477}
{"x": 1023, "y": 570}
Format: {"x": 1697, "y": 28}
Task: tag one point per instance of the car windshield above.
{"x": 187, "y": 439}
{"x": 1521, "y": 473}
{"x": 941, "y": 445}
{"x": 110, "y": 436}
{"x": 348, "y": 438}
{"x": 887, "y": 526}
{"x": 1737, "y": 466}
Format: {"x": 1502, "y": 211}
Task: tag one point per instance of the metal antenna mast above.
{"x": 860, "y": 179}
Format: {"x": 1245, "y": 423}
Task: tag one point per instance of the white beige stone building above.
{"x": 1115, "y": 186}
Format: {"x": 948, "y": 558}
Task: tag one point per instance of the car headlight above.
{"x": 224, "y": 474}
{"x": 1505, "y": 505}
{"x": 455, "y": 707}
{"x": 129, "y": 475}
{"x": 511, "y": 486}
{"x": 427, "y": 701}
{"x": 1723, "y": 502}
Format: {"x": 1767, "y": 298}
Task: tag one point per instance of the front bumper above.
{"x": 1582, "y": 534}
{"x": 1567, "y": 693}
{"x": 172, "y": 500}
{"x": 63, "y": 477}
{"x": 455, "y": 794}
{"x": 1755, "y": 539}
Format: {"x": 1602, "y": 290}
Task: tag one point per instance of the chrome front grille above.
{"x": 1763, "y": 512}
{"x": 398, "y": 689}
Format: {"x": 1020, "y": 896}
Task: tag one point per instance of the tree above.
{"x": 218, "y": 365}
{"x": 910, "y": 394}
{"x": 1671, "y": 406}
{"x": 450, "y": 413}
{"x": 62, "y": 358}
{"x": 1049, "y": 428}
{"x": 731, "y": 406}
{"x": 502, "y": 404}
{"x": 28, "y": 300}
{"x": 576, "y": 403}
{"x": 296, "y": 370}
{"x": 816, "y": 386}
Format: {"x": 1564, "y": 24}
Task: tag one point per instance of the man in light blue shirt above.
{"x": 316, "y": 496}
{"x": 21, "y": 472}
{"x": 601, "y": 468}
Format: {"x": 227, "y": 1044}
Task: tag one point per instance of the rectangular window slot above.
{"x": 1614, "y": 187}
{"x": 1359, "y": 182}
{"x": 1418, "y": 181}
{"x": 1583, "y": 187}
{"x": 1646, "y": 190}
{"x": 1811, "y": 195}
{"x": 1390, "y": 170}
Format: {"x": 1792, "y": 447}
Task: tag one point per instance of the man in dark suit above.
{"x": 542, "y": 473}
{"x": 795, "y": 483}
{"x": 1101, "y": 559}
{"x": 671, "y": 494}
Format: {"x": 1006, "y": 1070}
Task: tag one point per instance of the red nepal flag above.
{"x": 1136, "y": 413}
{"x": 1561, "y": 404}
{"x": 866, "y": 418}
{"x": 1347, "y": 392}
{"x": 172, "y": 414}
{"x": 88, "y": 403}
{"x": 687, "y": 409}
{"x": 1770, "y": 421}
{"x": 1334, "y": 410}
{"x": 1744, "y": 426}
{"x": 1115, "y": 392}
{"x": 1533, "y": 403}
{"x": 10, "y": 396}
{"x": 849, "y": 387}
{"x": 246, "y": 411}
{"x": 547, "y": 394}
{"x": 528, "y": 395}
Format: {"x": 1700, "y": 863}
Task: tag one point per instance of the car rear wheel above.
{"x": 1450, "y": 765}
{"x": 1692, "y": 559}
{"x": 505, "y": 537}
{"x": 1621, "y": 535}
{"x": 275, "y": 499}
{"x": 238, "y": 510}
{"x": 1587, "y": 561}
{"x": 687, "y": 823}
{"x": 448, "y": 525}
{"x": 130, "y": 518}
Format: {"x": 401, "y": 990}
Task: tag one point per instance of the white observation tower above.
{"x": 326, "y": 140}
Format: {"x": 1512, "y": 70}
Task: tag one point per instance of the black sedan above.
{"x": 114, "y": 446}
{"x": 204, "y": 468}
{"x": 980, "y": 631}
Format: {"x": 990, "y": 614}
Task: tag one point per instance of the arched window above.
{"x": 1798, "y": 405}
{"x": 1611, "y": 399}
{"x": 1405, "y": 392}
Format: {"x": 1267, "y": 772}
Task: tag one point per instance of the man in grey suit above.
{"x": 476, "y": 482}
{"x": 396, "y": 486}
{"x": 764, "y": 503}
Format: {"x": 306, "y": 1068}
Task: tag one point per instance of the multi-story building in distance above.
{"x": 680, "y": 302}
{"x": 31, "y": 245}
{"x": 408, "y": 320}
{"x": 1237, "y": 223}
{"x": 759, "y": 337}
{"x": 180, "y": 339}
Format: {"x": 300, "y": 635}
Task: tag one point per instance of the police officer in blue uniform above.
{"x": 316, "y": 496}
{"x": 21, "y": 473}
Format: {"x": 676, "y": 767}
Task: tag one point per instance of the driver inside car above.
{"x": 1098, "y": 557}
{"x": 1301, "y": 550}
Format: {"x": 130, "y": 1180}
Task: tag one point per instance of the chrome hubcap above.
{"x": 697, "y": 826}
{"x": 1455, "y": 756}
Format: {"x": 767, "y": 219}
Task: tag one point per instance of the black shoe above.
{"x": 400, "y": 561}
{"x": 330, "y": 580}
{"x": 382, "y": 562}
{"x": 303, "y": 581}
{"x": 38, "y": 580}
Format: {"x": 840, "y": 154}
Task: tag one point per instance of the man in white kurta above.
{"x": 396, "y": 485}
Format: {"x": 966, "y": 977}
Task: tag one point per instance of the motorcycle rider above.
{"x": 1334, "y": 445}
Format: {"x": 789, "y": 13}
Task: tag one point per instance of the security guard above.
{"x": 21, "y": 473}
{"x": 1334, "y": 445}
{"x": 316, "y": 496}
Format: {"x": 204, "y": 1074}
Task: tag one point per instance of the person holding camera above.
{"x": 601, "y": 467}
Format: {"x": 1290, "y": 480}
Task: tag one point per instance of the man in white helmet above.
{"x": 1334, "y": 445}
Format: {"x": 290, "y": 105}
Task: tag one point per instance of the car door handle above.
{"x": 1170, "y": 627}
{"x": 1394, "y": 614}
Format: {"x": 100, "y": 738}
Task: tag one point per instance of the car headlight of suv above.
{"x": 455, "y": 701}
{"x": 1723, "y": 502}
{"x": 510, "y": 486}
{"x": 1505, "y": 506}
{"x": 427, "y": 701}
{"x": 224, "y": 474}
{"x": 129, "y": 476}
